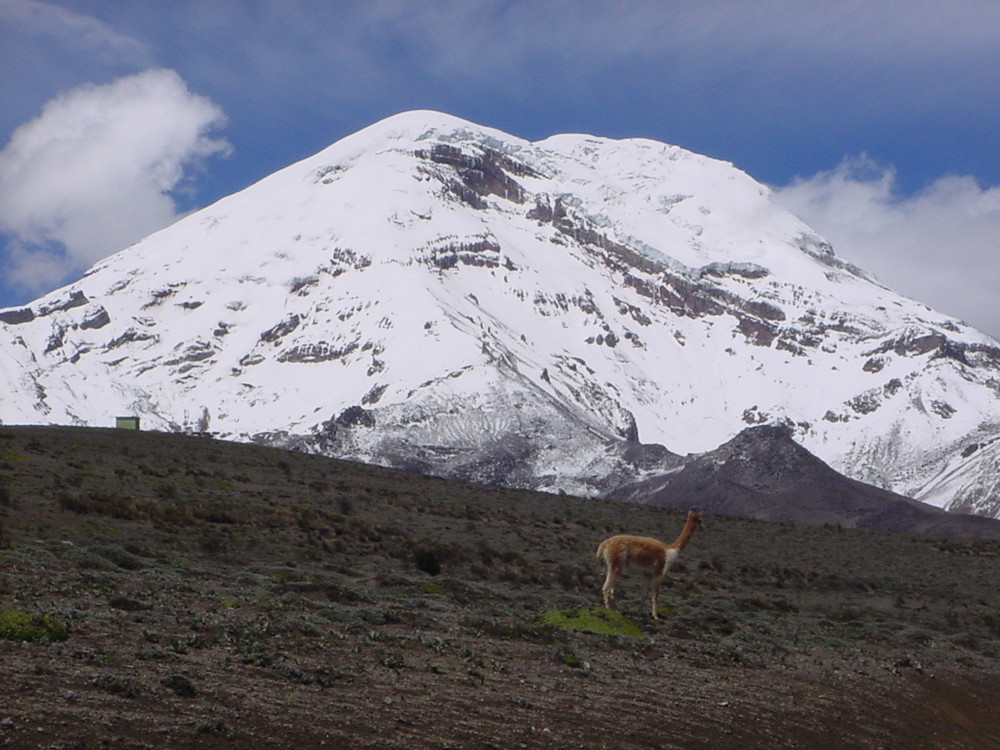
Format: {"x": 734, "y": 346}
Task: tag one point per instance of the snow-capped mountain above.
{"x": 567, "y": 314}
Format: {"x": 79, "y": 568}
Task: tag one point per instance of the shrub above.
{"x": 570, "y": 659}
{"x": 212, "y": 544}
{"x": 431, "y": 555}
{"x": 102, "y": 503}
{"x": 127, "y": 604}
{"x": 120, "y": 557}
{"x": 166, "y": 491}
{"x": 217, "y": 728}
{"x": 180, "y": 685}
{"x": 22, "y": 626}
{"x": 116, "y": 685}
{"x": 992, "y": 622}
{"x": 571, "y": 577}
{"x": 427, "y": 561}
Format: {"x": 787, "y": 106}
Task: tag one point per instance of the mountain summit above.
{"x": 573, "y": 313}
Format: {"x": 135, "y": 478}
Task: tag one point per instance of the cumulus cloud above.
{"x": 98, "y": 169}
{"x": 940, "y": 245}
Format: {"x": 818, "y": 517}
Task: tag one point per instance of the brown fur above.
{"x": 649, "y": 555}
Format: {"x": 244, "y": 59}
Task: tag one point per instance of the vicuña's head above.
{"x": 694, "y": 518}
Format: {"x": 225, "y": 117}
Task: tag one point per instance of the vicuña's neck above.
{"x": 686, "y": 533}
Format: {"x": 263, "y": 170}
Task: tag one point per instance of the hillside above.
{"x": 224, "y": 595}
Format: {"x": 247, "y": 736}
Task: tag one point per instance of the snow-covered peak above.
{"x": 433, "y": 293}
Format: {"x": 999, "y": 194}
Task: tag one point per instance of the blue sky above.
{"x": 875, "y": 121}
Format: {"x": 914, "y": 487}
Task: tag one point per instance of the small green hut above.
{"x": 127, "y": 423}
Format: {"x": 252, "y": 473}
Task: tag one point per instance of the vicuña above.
{"x": 651, "y": 556}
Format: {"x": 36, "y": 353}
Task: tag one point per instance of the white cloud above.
{"x": 940, "y": 246}
{"x": 95, "y": 170}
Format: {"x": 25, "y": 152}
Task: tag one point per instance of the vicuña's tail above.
{"x": 601, "y": 549}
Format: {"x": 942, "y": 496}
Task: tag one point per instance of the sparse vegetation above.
{"x": 592, "y": 620}
{"x": 16, "y": 625}
{"x": 173, "y": 591}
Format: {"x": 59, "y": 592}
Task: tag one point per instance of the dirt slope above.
{"x": 222, "y": 595}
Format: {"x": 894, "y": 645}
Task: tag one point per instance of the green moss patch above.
{"x": 22, "y": 626}
{"x": 592, "y": 620}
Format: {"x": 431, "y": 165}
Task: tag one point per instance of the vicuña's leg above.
{"x": 659, "y": 571}
{"x": 608, "y": 590}
{"x": 655, "y": 594}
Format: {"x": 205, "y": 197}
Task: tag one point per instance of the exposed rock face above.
{"x": 13, "y": 317}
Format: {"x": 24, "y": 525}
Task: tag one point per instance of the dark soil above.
{"x": 232, "y": 596}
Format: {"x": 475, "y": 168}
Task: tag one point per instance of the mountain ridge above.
{"x": 765, "y": 475}
{"x": 431, "y": 293}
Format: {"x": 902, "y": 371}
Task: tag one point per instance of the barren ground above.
{"x": 230, "y": 596}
